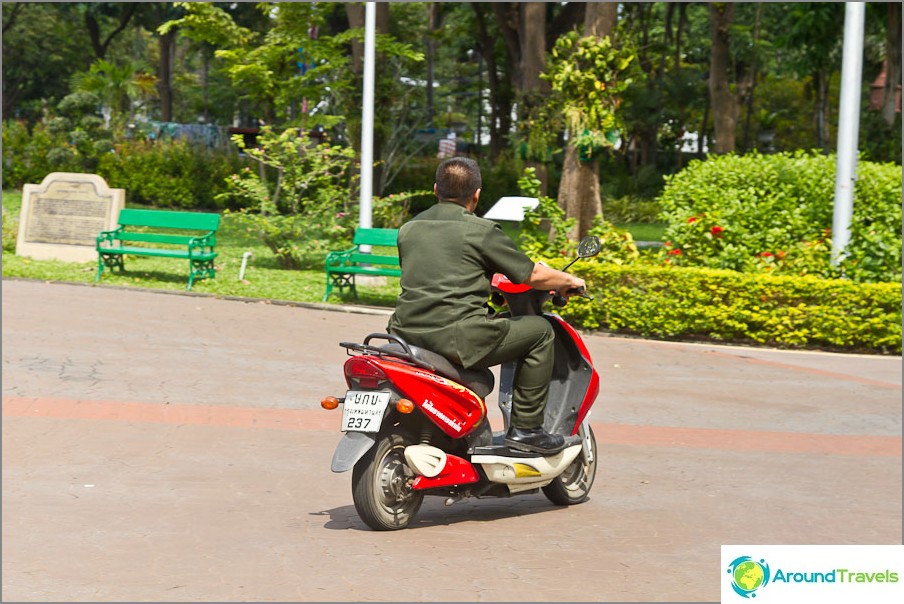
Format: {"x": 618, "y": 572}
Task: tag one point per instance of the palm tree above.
{"x": 118, "y": 86}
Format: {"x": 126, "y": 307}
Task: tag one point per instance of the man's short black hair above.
{"x": 457, "y": 179}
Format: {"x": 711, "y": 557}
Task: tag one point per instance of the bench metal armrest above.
{"x": 109, "y": 236}
{"x": 340, "y": 258}
{"x": 199, "y": 243}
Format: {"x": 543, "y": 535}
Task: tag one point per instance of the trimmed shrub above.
{"x": 171, "y": 174}
{"x": 773, "y": 213}
{"x": 721, "y": 305}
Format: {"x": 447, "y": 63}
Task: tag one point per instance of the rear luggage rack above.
{"x": 387, "y": 351}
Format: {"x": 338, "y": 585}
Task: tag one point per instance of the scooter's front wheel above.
{"x": 381, "y": 485}
{"x": 573, "y": 485}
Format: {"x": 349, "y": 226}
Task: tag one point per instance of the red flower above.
{"x": 766, "y": 255}
{"x": 716, "y": 231}
{"x": 675, "y": 252}
{"x": 692, "y": 220}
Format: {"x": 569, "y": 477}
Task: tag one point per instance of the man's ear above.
{"x": 434, "y": 189}
{"x": 472, "y": 204}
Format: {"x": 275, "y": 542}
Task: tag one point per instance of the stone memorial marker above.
{"x": 61, "y": 217}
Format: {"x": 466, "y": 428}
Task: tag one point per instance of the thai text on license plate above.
{"x": 363, "y": 411}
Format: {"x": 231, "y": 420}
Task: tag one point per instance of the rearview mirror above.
{"x": 589, "y": 246}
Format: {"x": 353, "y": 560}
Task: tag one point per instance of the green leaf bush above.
{"x": 171, "y": 174}
{"x": 773, "y": 213}
{"x": 307, "y": 211}
{"x": 709, "y": 304}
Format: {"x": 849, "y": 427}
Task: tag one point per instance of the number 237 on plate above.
{"x": 363, "y": 411}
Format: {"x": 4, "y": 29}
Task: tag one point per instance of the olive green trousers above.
{"x": 529, "y": 344}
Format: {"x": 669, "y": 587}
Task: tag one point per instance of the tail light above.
{"x": 361, "y": 372}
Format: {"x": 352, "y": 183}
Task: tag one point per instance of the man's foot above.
{"x": 535, "y": 440}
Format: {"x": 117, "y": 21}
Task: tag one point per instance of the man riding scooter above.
{"x": 448, "y": 257}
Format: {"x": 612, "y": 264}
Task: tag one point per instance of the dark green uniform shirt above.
{"x": 448, "y": 259}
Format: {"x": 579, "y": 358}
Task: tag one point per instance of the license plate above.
{"x": 363, "y": 411}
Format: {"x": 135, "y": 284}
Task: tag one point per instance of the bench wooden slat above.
{"x": 373, "y": 259}
{"x": 150, "y": 251}
{"x": 380, "y": 237}
{"x": 166, "y": 219}
{"x": 156, "y": 238}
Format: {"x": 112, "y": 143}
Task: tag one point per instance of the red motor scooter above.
{"x": 416, "y": 424}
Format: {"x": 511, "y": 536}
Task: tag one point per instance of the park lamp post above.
{"x": 848, "y": 128}
{"x": 365, "y": 219}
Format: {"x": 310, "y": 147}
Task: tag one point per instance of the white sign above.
{"x": 511, "y": 208}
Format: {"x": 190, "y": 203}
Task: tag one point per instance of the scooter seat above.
{"x": 479, "y": 381}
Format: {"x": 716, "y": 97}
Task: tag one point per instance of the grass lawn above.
{"x": 263, "y": 277}
{"x": 644, "y": 231}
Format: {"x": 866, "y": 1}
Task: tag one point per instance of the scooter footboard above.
{"x": 350, "y": 449}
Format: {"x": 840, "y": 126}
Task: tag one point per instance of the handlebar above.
{"x": 560, "y": 300}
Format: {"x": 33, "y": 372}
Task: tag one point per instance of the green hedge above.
{"x": 722, "y": 305}
{"x": 171, "y": 174}
{"x": 773, "y": 213}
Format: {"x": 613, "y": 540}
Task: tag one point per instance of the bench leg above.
{"x": 340, "y": 280}
{"x": 111, "y": 261}
{"x": 200, "y": 269}
{"x": 329, "y": 288}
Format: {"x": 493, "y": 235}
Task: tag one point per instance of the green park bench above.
{"x": 185, "y": 235}
{"x": 341, "y": 267}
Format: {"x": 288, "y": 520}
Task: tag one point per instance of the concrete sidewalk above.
{"x": 171, "y": 448}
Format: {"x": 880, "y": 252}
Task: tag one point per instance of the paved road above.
{"x": 161, "y": 447}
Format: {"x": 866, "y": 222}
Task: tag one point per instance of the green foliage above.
{"x": 618, "y": 245}
{"x": 773, "y": 213}
{"x": 170, "y": 174}
{"x": 10, "y": 230}
{"x": 391, "y": 211}
{"x": 306, "y": 212}
{"x": 630, "y": 208}
{"x": 71, "y": 142}
{"x": 117, "y": 85}
{"x": 709, "y": 304}
{"x": 586, "y": 77}
{"x": 544, "y": 230}
{"x": 879, "y": 141}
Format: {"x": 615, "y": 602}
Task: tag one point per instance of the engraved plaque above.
{"x": 62, "y": 216}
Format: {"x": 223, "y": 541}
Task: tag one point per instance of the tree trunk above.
{"x": 432, "y": 12}
{"x": 532, "y": 36}
{"x": 600, "y": 19}
{"x": 721, "y": 15}
{"x": 579, "y": 192}
{"x": 821, "y": 113}
{"x": 355, "y": 12}
{"x": 893, "y": 68}
{"x": 166, "y": 45}
{"x": 533, "y": 47}
{"x": 500, "y": 88}
{"x": 579, "y": 188}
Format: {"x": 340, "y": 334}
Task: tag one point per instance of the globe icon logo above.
{"x": 748, "y": 575}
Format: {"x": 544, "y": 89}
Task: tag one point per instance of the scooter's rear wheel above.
{"x": 573, "y": 485}
{"x": 381, "y": 485}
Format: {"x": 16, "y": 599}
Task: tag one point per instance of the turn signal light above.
{"x": 404, "y": 406}
{"x": 330, "y": 402}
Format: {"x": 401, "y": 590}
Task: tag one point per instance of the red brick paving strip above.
{"x": 314, "y": 419}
